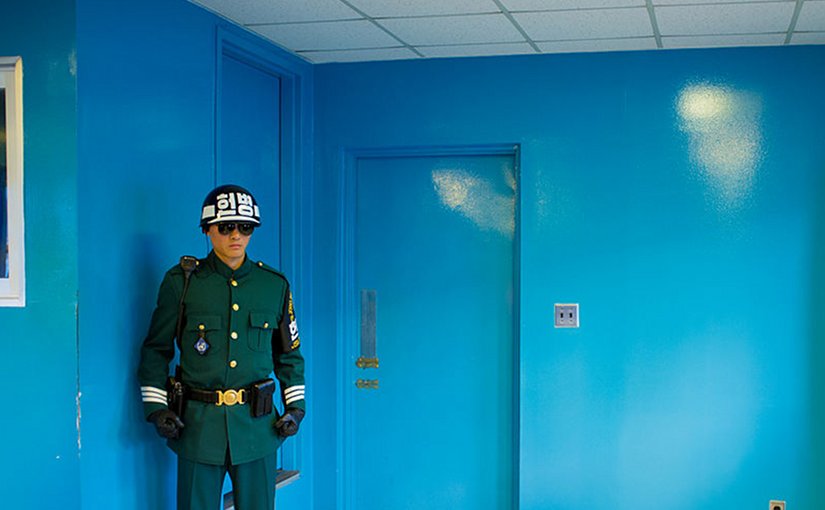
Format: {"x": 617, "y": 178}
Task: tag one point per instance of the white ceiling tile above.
{"x": 590, "y": 45}
{"x": 477, "y": 28}
{"x": 332, "y": 31}
{"x": 328, "y": 36}
{"x": 324, "y": 57}
{"x": 683, "y": 2}
{"x": 725, "y": 18}
{"x": 715, "y": 41}
{"x": 280, "y": 11}
{"x": 808, "y": 38}
{"x": 404, "y": 8}
{"x": 585, "y": 24}
{"x": 550, "y": 5}
{"x": 811, "y": 17}
{"x": 476, "y": 50}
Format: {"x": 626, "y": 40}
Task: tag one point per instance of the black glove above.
{"x": 167, "y": 423}
{"x": 287, "y": 425}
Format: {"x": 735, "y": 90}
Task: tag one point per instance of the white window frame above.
{"x": 13, "y": 288}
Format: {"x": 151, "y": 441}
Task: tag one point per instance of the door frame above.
{"x": 249, "y": 51}
{"x": 348, "y": 302}
{"x": 295, "y": 130}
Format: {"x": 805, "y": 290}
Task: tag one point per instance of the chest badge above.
{"x": 201, "y": 345}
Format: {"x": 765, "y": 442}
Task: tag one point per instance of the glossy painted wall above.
{"x": 39, "y": 342}
{"x": 677, "y": 196}
{"x": 146, "y": 93}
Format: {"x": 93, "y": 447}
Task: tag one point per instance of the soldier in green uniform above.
{"x": 234, "y": 323}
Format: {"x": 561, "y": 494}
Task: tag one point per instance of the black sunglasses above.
{"x": 244, "y": 228}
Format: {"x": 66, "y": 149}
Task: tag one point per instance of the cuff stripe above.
{"x": 294, "y": 399}
{"x": 294, "y": 389}
{"x": 152, "y": 395}
{"x": 151, "y": 389}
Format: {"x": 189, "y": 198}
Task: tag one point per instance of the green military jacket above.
{"x": 238, "y": 327}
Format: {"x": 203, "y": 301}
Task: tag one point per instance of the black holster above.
{"x": 176, "y": 393}
{"x": 261, "y": 401}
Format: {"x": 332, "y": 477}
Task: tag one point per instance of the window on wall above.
{"x": 12, "y": 272}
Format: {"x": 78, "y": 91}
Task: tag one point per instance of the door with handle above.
{"x": 433, "y": 413}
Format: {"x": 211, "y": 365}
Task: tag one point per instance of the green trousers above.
{"x": 253, "y": 484}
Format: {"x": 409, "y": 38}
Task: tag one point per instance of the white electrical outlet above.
{"x": 776, "y": 505}
{"x": 566, "y": 315}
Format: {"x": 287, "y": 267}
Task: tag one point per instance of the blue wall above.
{"x": 677, "y": 197}
{"x": 39, "y": 342}
{"x": 146, "y": 87}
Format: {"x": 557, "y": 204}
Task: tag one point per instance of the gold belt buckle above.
{"x": 231, "y": 397}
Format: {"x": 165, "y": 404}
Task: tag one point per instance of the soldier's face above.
{"x": 229, "y": 247}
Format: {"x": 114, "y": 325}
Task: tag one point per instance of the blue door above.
{"x": 433, "y": 426}
{"x": 249, "y": 146}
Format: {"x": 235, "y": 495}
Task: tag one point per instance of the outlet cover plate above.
{"x": 566, "y": 315}
{"x": 776, "y": 504}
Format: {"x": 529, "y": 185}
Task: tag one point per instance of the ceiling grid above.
{"x": 324, "y": 31}
{"x": 367, "y": 17}
{"x": 510, "y": 17}
{"x": 653, "y": 23}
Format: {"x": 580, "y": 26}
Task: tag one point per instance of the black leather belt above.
{"x": 219, "y": 397}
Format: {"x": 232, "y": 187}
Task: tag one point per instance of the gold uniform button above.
{"x": 260, "y": 264}
{"x": 236, "y": 307}
{"x": 234, "y": 335}
{"x": 266, "y": 325}
{"x": 233, "y": 363}
{"x": 201, "y": 327}
{"x": 234, "y": 283}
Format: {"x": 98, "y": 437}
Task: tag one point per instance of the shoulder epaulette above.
{"x": 271, "y": 269}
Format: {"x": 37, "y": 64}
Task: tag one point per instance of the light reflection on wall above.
{"x": 477, "y": 199}
{"x": 725, "y": 137}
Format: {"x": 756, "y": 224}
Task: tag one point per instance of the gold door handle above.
{"x": 363, "y": 362}
{"x": 366, "y": 384}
